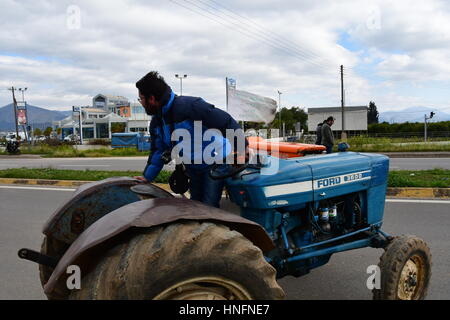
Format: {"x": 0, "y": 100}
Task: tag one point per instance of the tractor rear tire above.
{"x": 405, "y": 268}
{"x": 182, "y": 261}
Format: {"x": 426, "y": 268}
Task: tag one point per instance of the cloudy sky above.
{"x": 396, "y": 53}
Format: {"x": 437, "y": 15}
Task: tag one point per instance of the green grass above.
{"x": 370, "y": 144}
{"x": 67, "y": 151}
{"x": 358, "y": 143}
{"x": 86, "y": 175}
{"x": 401, "y": 148}
{"x": 437, "y": 178}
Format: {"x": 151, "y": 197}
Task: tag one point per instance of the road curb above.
{"x": 439, "y": 193}
{"x": 44, "y": 182}
{"x": 412, "y": 193}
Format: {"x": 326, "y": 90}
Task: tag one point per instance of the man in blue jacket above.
{"x": 171, "y": 112}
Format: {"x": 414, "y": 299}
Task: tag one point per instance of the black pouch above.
{"x": 179, "y": 180}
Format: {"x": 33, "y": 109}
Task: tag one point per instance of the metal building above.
{"x": 355, "y": 118}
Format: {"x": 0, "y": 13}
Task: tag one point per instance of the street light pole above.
{"x": 23, "y": 90}
{"x": 181, "y": 82}
{"x": 279, "y": 112}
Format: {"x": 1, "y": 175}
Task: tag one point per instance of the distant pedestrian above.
{"x": 327, "y": 134}
{"x": 319, "y": 132}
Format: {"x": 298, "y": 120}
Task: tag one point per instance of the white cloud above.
{"x": 119, "y": 41}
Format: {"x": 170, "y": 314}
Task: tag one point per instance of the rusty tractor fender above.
{"x": 89, "y": 203}
{"x": 146, "y": 214}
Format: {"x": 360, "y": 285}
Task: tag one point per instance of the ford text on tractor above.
{"x": 136, "y": 241}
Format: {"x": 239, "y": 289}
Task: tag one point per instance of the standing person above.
{"x": 319, "y": 132}
{"x": 170, "y": 112}
{"x": 327, "y": 134}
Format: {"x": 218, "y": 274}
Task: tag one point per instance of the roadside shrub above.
{"x": 101, "y": 142}
{"x": 51, "y": 142}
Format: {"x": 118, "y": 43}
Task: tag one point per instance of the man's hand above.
{"x": 250, "y": 154}
{"x": 142, "y": 179}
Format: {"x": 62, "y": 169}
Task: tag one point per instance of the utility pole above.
{"x": 279, "y": 113}
{"x": 343, "y": 134}
{"x": 181, "y": 82}
{"x": 15, "y": 110}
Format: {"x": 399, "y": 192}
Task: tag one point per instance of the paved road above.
{"x": 23, "y": 212}
{"x": 418, "y": 163}
{"x": 138, "y": 163}
{"x": 107, "y": 164}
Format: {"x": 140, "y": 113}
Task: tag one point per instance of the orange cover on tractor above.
{"x": 284, "y": 149}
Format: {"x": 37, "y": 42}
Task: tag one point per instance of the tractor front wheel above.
{"x": 182, "y": 261}
{"x": 405, "y": 268}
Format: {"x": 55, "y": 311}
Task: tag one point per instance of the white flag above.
{"x": 231, "y": 83}
{"x": 246, "y": 106}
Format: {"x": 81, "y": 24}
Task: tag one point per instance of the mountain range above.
{"x": 413, "y": 114}
{"x": 37, "y": 117}
{"x": 41, "y": 118}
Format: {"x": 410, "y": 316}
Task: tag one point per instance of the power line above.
{"x": 253, "y": 35}
{"x": 246, "y": 33}
{"x": 308, "y": 54}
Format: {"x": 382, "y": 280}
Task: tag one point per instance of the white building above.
{"x": 138, "y": 121}
{"x": 355, "y": 118}
{"x": 98, "y": 119}
{"x": 109, "y": 102}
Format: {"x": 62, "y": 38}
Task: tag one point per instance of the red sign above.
{"x": 21, "y": 117}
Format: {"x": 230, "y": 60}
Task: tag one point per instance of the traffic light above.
{"x": 431, "y": 114}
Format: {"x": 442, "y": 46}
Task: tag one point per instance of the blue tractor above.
{"x": 136, "y": 241}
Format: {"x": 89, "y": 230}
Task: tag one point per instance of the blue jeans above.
{"x": 329, "y": 148}
{"x": 202, "y": 187}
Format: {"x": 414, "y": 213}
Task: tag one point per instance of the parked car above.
{"x": 72, "y": 138}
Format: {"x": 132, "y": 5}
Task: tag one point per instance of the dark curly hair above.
{"x": 152, "y": 84}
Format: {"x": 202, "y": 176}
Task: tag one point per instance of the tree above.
{"x": 37, "y": 132}
{"x": 58, "y": 131}
{"x": 372, "y": 113}
{"x": 48, "y": 131}
{"x": 117, "y": 127}
{"x": 290, "y": 117}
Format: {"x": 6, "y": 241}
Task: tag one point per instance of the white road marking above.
{"x": 37, "y": 188}
{"x": 418, "y": 201}
{"x": 84, "y": 165}
{"x": 387, "y": 200}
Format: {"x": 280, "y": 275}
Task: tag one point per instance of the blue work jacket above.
{"x": 180, "y": 112}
